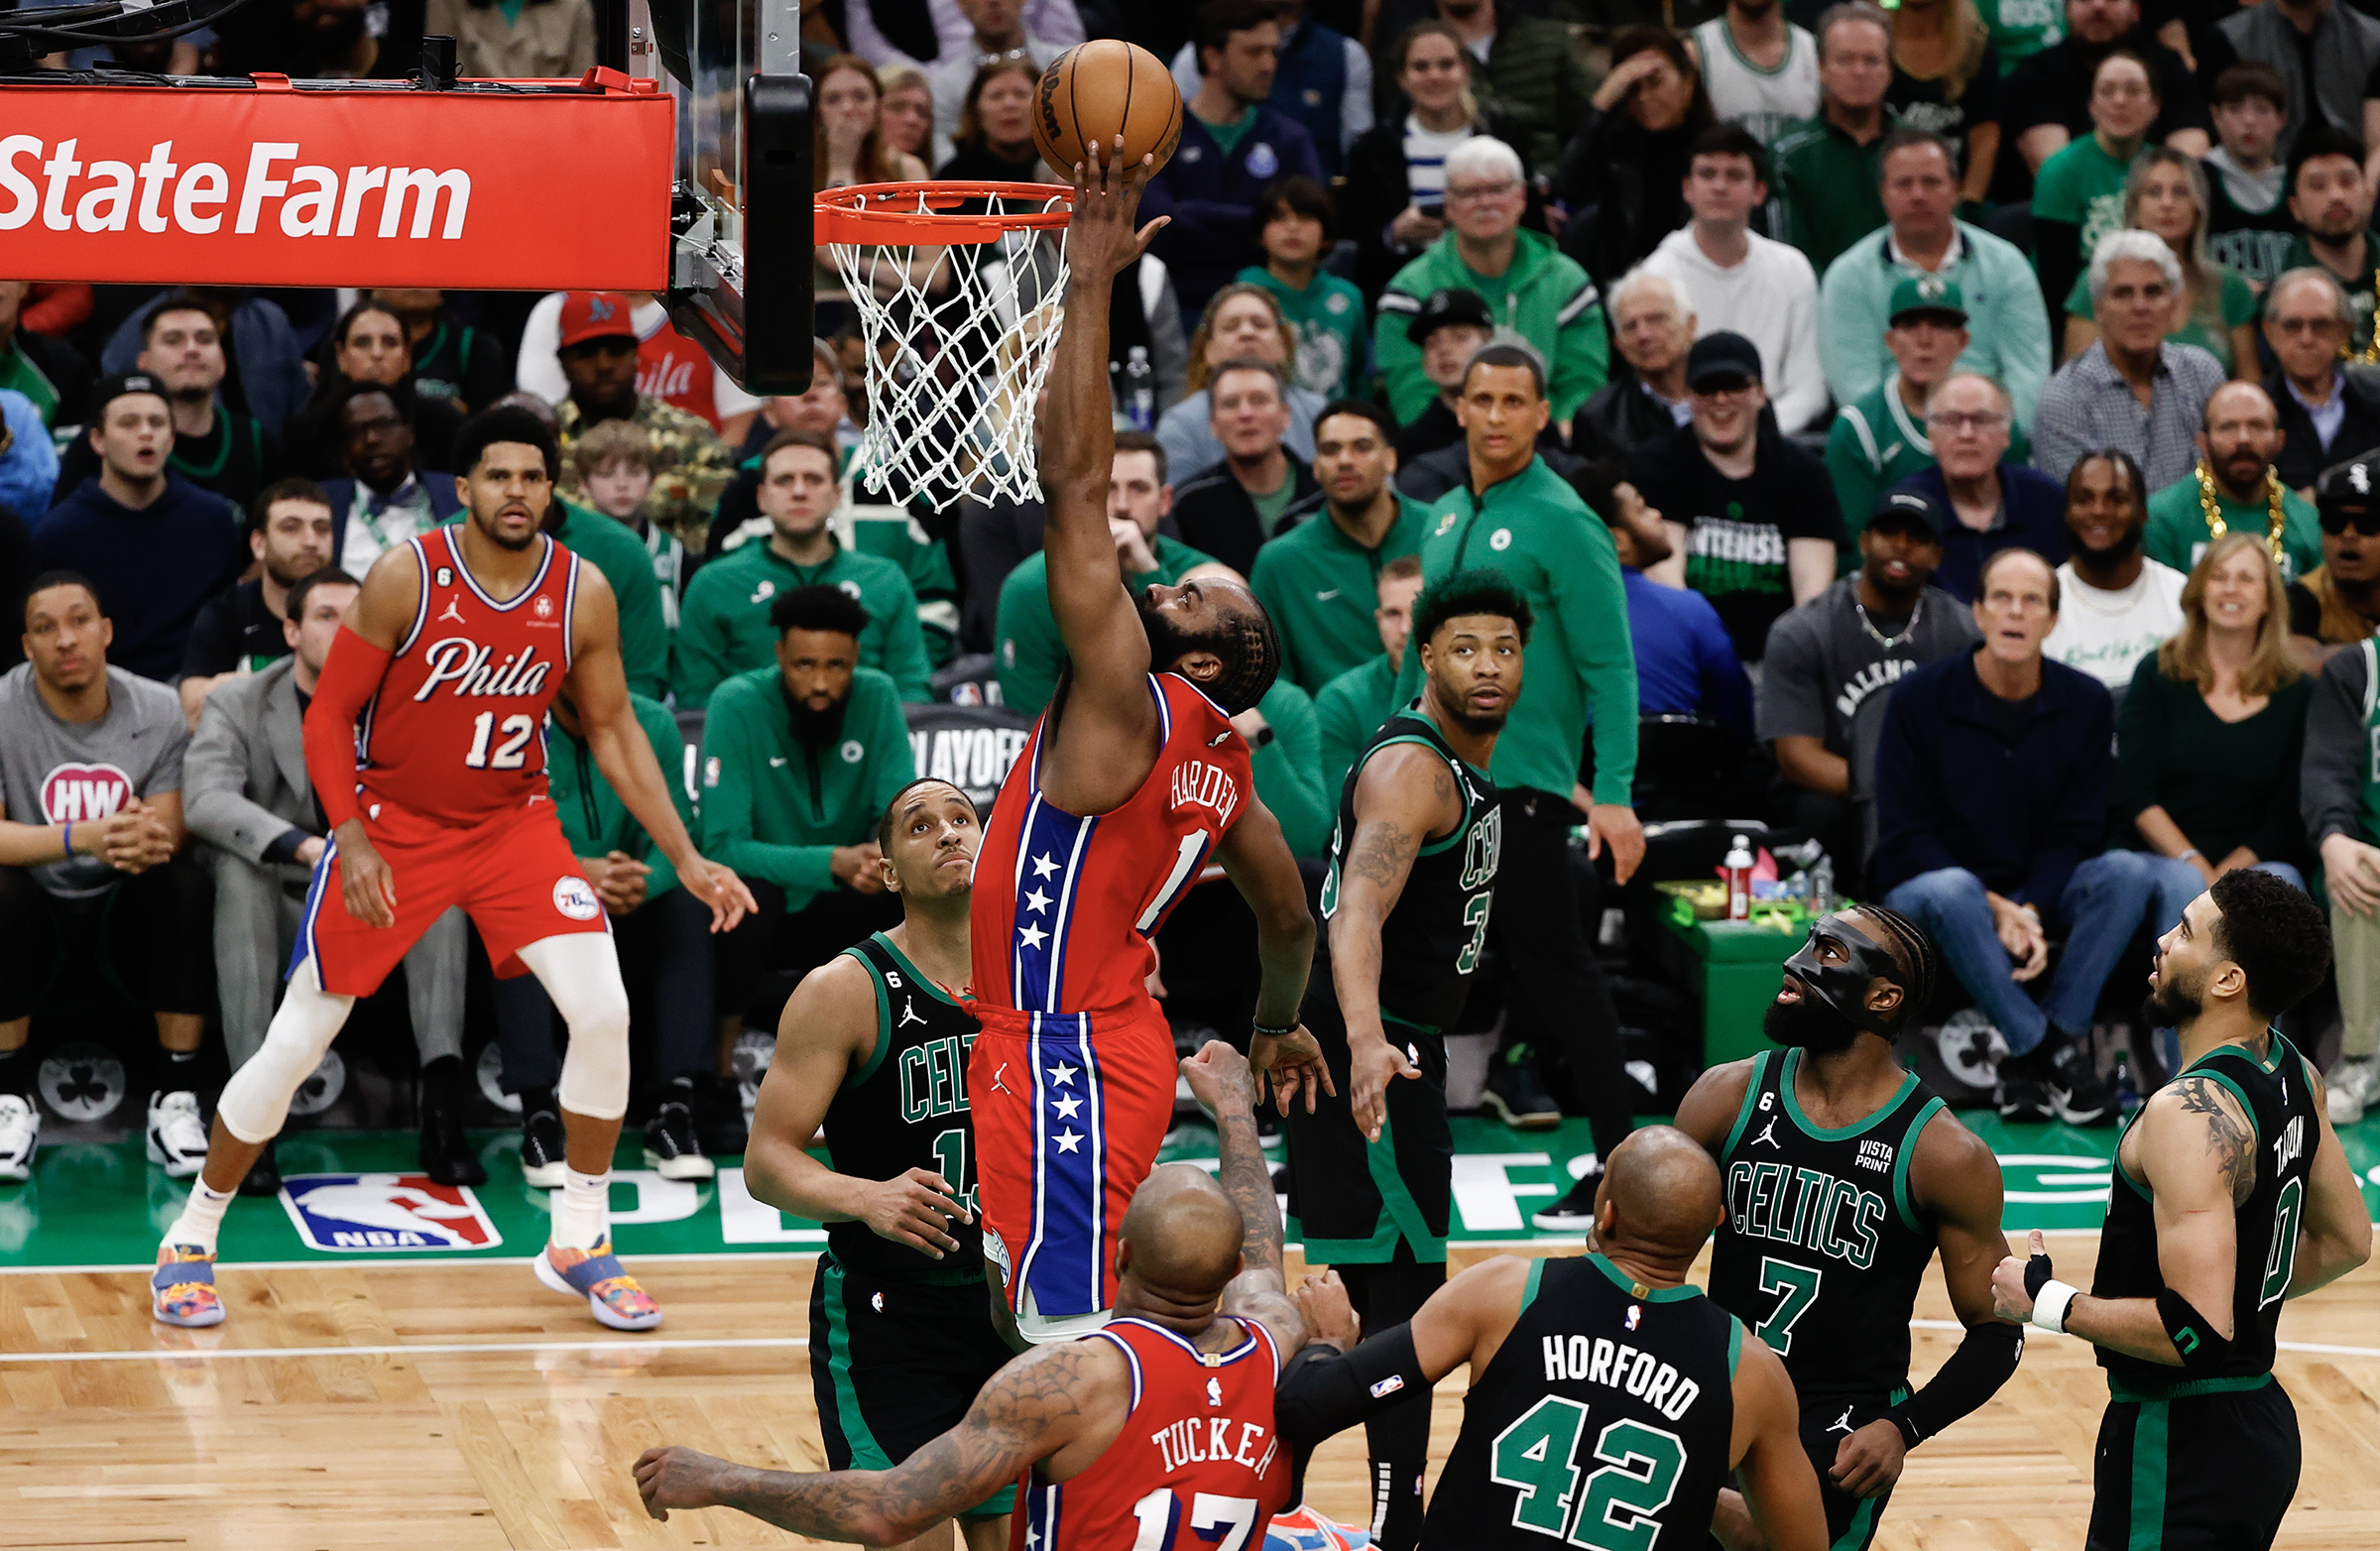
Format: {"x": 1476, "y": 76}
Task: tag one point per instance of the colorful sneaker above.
{"x": 612, "y": 1295}
{"x": 182, "y": 1290}
{"x": 1302, "y": 1528}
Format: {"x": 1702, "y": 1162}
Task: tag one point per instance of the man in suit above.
{"x": 388, "y": 497}
{"x": 246, "y": 793}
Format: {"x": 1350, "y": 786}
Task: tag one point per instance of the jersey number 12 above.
{"x": 510, "y": 755}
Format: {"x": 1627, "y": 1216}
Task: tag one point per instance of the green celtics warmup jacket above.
{"x": 594, "y": 819}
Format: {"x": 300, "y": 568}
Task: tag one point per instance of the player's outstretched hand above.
{"x": 1222, "y": 1079}
{"x": 1868, "y": 1461}
{"x": 1329, "y": 1316}
{"x": 1293, "y": 1061}
{"x": 678, "y": 1478}
{"x": 721, "y": 889}
{"x": 1372, "y": 1064}
{"x": 365, "y": 882}
{"x": 1099, "y": 238}
{"x": 915, "y": 1209}
{"x": 2013, "y": 1282}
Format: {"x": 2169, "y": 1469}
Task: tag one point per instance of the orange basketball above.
{"x": 1097, "y": 90}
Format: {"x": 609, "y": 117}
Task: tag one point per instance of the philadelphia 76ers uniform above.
{"x": 1072, "y": 1080}
{"x": 1197, "y": 1464}
{"x": 450, "y": 773}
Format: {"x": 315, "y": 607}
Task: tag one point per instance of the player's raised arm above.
{"x": 1405, "y": 798}
{"x": 829, "y": 1027}
{"x": 2336, "y": 1235}
{"x": 1096, "y": 617}
{"x": 1219, "y": 1079}
{"x": 599, "y": 688}
{"x": 379, "y": 618}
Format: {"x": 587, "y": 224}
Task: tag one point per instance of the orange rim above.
{"x": 925, "y": 212}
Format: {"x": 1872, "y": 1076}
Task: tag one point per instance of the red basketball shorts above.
{"x": 513, "y": 875}
{"x": 1069, "y": 1111}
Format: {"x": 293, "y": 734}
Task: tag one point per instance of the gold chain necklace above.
{"x": 2217, "y": 526}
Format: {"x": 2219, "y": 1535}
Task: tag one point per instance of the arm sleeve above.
{"x": 727, "y": 812}
{"x": 2078, "y": 825}
{"x": 2331, "y": 779}
{"x": 1593, "y": 606}
{"x": 700, "y": 652}
{"x": 1983, "y": 1362}
{"x": 1288, "y": 772}
{"x": 350, "y": 678}
{"x": 1851, "y": 330}
{"x": 1582, "y": 352}
{"x": 2138, "y": 747}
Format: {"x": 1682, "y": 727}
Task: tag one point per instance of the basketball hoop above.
{"x": 960, "y": 289}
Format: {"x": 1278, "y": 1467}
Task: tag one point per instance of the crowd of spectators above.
{"x": 1969, "y": 412}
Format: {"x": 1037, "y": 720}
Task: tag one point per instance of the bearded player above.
{"x": 1844, "y": 1177}
{"x": 425, "y": 748}
{"x": 1131, "y": 781}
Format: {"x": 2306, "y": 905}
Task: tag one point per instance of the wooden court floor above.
{"x": 461, "y": 1407}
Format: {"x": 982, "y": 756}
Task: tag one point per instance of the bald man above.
{"x": 1607, "y": 1395}
{"x": 1202, "y": 1323}
{"x": 2234, "y": 489}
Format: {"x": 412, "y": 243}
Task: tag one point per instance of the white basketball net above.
{"x": 958, "y": 341}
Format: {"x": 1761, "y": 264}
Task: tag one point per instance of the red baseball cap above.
{"x": 594, "y": 315}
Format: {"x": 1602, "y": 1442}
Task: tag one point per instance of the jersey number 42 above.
{"x": 1638, "y": 1470}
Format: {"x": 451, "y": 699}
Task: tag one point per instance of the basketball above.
{"x": 1097, "y": 90}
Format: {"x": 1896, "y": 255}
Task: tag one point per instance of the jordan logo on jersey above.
{"x": 464, "y": 663}
{"x": 453, "y": 611}
{"x": 1768, "y": 1133}
{"x": 1843, "y": 1423}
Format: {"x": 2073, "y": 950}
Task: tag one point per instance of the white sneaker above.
{"x": 177, "y": 1135}
{"x": 20, "y": 1134}
{"x": 2355, "y": 1087}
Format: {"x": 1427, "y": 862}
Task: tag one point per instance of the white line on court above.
{"x": 440, "y": 1349}
{"x": 2312, "y": 1348}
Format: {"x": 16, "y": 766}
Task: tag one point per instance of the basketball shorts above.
{"x": 2203, "y": 1471}
{"x": 1069, "y": 1111}
{"x": 1354, "y": 1199}
{"x": 1827, "y": 1419}
{"x": 512, "y": 873}
{"x": 895, "y": 1365}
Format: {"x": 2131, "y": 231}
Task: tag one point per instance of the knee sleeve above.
{"x": 255, "y": 1101}
{"x": 581, "y": 973}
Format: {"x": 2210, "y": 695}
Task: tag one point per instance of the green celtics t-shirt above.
{"x": 2084, "y": 186}
{"x": 2178, "y": 532}
{"x": 1327, "y": 317}
{"x": 2021, "y": 29}
{"x": 2210, "y": 334}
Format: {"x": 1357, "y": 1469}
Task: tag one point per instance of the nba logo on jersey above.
{"x": 1636, "y": 1316}
{"x": 1215, "y": 1391}
{"x": 386, "y": 1212}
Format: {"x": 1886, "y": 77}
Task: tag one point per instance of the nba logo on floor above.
{"x": 370, "y": 1212}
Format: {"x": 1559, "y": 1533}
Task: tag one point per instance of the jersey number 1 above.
{"x": 510, "y": 755}
{"x": 1615, "y": 1512}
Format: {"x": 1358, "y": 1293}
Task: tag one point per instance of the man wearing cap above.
{"x": 1831, "y": 664}
{"x": 1881, "y": 440}
{"x": 1991, "y": 503}
{"x": 691, "y": 465}
{"x": 1653, "y": 324}
{"x": 154, "y": 546}
{"x": 2234, "y": 488}
{"x": 2337, "y": 603}
{"x": 1452, "y": 323}
{"x": 1750, "y": 513}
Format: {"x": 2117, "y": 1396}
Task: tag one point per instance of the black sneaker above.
{"x": 542, "y": 1150}
{"x": 2078, "y": 1093}
{"x": 670, "y": 1147}
{"x": 264, "y": 1175}
{"x": 1575, "y": 1212}
{"x": 717, "y": 1107}
{"x": 446, "y": 1154}
{"x": 1513, "y": 1092}
{"x": 2020, "y": 1096}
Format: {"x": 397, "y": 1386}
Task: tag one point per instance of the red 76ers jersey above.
{"x": 457, "y": 730}
{"x": 1197, "y": 1466}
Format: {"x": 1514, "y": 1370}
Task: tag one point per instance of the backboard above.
{"x": 740, "y": 278}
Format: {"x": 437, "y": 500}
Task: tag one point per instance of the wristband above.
{"x": 1272, "y": 1033}
{"x": 2051, "y": 1304}
{"x": 2193, "y": 851}
{"x": 69, "y": 840}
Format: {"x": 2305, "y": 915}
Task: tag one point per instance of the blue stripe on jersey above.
{"x": 1049, "y": 855}
{"x": 1070, "y": 1147}
{"x": 1132, "y": 1357}
{"x": 303, "y": 948}
{"x": 1041, "y": 1516}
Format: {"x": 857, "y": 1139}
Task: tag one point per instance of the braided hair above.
{"x": 1917, "y": 957}
{"x": 1252, "y": 652}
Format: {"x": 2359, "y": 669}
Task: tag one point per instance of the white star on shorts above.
{"x": 1068, "y": 1141}
{"x": 1063, "y": 1075}
{"x": 1044, "y": 866}
{"x": 1066, "y": 1106}
{"x": 1037, "y": 900}
{"x": 1033, "y": 937}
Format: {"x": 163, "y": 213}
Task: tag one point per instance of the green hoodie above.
{"x": 1543, "y": 297}
{"x": 775, "y": 809}
{"x": 1321, "y": 588}
{"x": 724, "y": 627}
{"x": 1350, "y": 709}
{"x": 613, "y": 548}
{"x": 1030, "y": 652}
{"x": 1536, "y": 531}
{"x": 594, "y": 819}
{"x": 1288, "y": 771}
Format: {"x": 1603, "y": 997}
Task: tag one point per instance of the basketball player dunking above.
{"x": 425, "y": 748}
{"x": 1844, "y": 1177}
{"x": 1132, "y": 781}
{"x": 1155, "y": 1430}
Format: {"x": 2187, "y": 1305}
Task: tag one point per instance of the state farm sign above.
{"x": 229, "y": 186}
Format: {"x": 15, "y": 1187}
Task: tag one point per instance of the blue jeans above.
{"x": 2104, "y": 902}
{"x": 2179, "y": 882}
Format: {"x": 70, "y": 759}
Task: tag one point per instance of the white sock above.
{"x": 201, "y": 1217}
{"x": 583, "y": 1211}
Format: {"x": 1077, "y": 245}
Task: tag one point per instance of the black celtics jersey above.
{"x": 1822, "y": 1246}
{"x": 907, "y": 1109}
{"x": 1603, "y": 1420}
{"x": 1430, "y": 942}
{"x": 2280, "y": 1105}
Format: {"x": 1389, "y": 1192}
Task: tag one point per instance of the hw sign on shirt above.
{"x": 272, "y": 186}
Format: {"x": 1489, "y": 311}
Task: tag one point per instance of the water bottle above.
{"x": 1140, "y": 389}
{"x": 1739, "y": 867}
{"x": 1821, "y": 886}
{"x": 2127, "y": 1091}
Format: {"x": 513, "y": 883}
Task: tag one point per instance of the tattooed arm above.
{"x": 1036, "y": 1406}
{"x": 2196, "y": 1151}
{"x": 1405, "y": 798}
{"x": 1219, "y": 1079}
